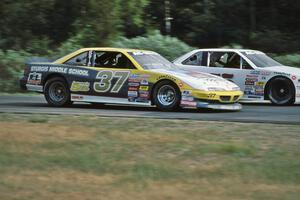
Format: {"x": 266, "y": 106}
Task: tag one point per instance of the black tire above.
{"x": 281, "y": 91}
{"x": 166, "y": 96}
{"x": 57, "y": 92}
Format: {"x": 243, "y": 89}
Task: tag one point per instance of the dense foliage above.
{"x": 52, "y": 28}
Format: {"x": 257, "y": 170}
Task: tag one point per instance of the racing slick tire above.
{"x": 57, "y": 92}
{"x": 166, "y": 96}
{"x": 281, "y": 91}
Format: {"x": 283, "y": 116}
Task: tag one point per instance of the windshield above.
{"x": 261, "y": 60}
{"x": 152, "y": 60}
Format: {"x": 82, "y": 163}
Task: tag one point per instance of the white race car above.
{"x": 259, "y": 76}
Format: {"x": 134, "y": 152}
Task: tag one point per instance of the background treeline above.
{"x": 52, "y": 28}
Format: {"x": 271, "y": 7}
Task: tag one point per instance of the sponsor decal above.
{"x": 186, "y": 95}
{"x": 188, "y": 103}
{"x": 64, "y": 70}
{"x": 144, "y": 82}
{"x": 252, "y": 79}
{"x": 264, "y": 78}
{"x": 251, "y": 76}
{"x": 58, "y": 69}
{"x": 144, "y": 95}
{"x": 132, "y": 94}
{"x": 261, "y": 84}
{"x": 249, "y": 83}
{"x": 282, "y": 73}
{"x": 167, "y": 77}
{"x": 265, "y": 73}
{"x": 294, "y": 77}
{"x": 132, "y": 84}
{"x": 139, "y": 78}
{"x": 144, "y": 88}
{"x": 248, "y": 87}
{"x": 77, "y": 97}
{"x": 255, "y": 72}
{"x": 133, "y": 88}
{"x": 39, "y": 68}
{"x": 133, "y": 80}
{"x": 80, "y": 86}
{"x": 34, "y": 78}
{"x": 186, "y": 92}
{"x": 249, "y": 92}
{"x": 186, "y": 98}
{"x": 80, "y": 72}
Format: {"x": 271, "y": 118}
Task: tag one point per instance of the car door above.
{"x": 113, "y": 70}
{"x": 228, "y": 65}
{"x": 231, "y": 66}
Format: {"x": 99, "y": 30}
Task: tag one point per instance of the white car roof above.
{"x": 230, "y": 50}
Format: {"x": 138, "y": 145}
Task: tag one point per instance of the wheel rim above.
{"x": 280, "y": 92}
{"x": 166, "y": 95}
{"x": 57, "y": 92}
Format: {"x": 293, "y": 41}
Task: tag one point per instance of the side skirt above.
{"x": 109, "y": 100}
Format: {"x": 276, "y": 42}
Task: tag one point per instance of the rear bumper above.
{"x": 22, "y": 83}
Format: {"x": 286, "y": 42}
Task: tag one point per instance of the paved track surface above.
{"x": 260, "y": 113}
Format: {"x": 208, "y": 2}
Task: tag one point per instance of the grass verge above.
{"x": 86, "y": 157}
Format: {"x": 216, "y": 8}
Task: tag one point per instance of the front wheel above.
{"x": 57, "y": 93}
{"x": 166, "y": 96}
{"x": 281, "y": 91}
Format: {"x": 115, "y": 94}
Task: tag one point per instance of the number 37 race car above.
{"x": 126, "y": 76}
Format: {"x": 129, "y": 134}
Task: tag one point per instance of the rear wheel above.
{"x": 281, "y": 91}
{"x": 166, "y": 96}
{"x": 57, "y": 92}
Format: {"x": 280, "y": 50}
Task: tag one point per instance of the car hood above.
{"x": 284, "y": 69}
{"x": 200, "y": 80}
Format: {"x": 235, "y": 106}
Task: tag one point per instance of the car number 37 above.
{"x": 106, "y": 78}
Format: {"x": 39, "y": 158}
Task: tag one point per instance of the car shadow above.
{"x": 266, "y": 104}
{"x": 89, "y": 106}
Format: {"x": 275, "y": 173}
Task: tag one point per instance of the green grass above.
{"x": 71, "y": 157}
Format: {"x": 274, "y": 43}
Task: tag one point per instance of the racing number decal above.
{"x": 106, "y": 77}
{"x": 121, "y": 79}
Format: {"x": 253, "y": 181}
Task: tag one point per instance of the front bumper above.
{"x": 231, "y": 107}
{"x": 218, "y": 100}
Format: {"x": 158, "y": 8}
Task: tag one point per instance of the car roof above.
{"x": 112, "y": 49}
{"x": 226, "y": 49}
{"x": 121, "y": 50}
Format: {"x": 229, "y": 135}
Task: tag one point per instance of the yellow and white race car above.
{"x": 127, "y": 76}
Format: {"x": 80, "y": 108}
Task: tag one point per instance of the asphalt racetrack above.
{"x": 251, "y": 112}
